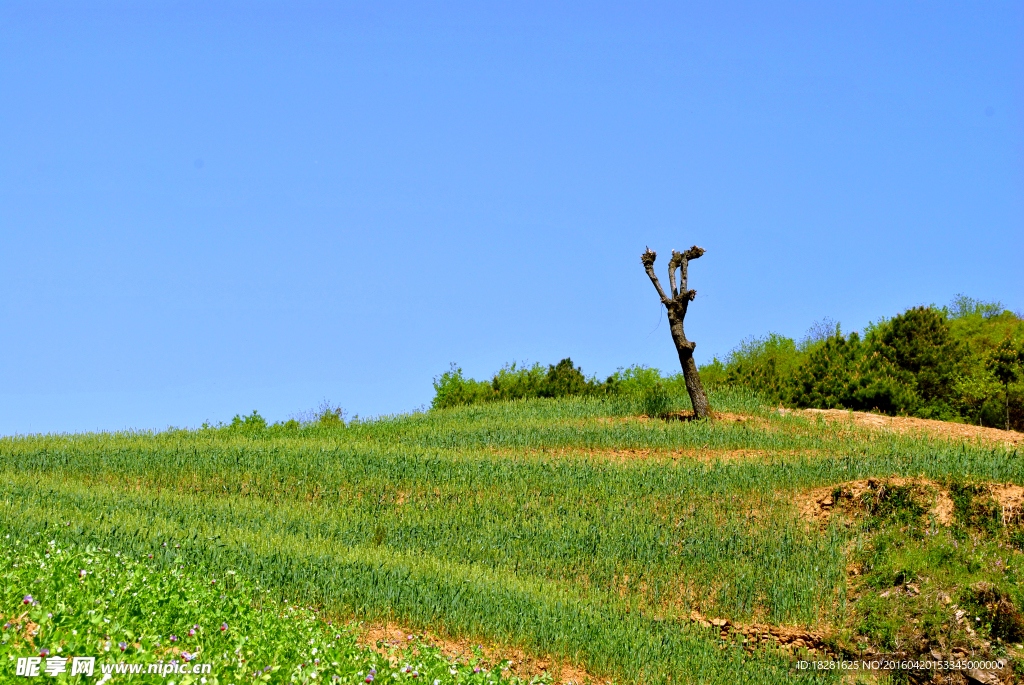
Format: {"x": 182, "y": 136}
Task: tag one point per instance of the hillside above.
{"x": 571, "y": 534}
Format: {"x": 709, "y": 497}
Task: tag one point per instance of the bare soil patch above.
{"x": 791, "y": 639}
{"x": 898, "y": 424}
{"x": 388, "y": 637}
{"x": 715, "y": 415}
{"x": 910, "y": 424}
{"x": 643, "y": 454}
{"x": 818, "y": 505}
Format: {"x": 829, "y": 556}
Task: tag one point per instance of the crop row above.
{"x": 377, "y": 582}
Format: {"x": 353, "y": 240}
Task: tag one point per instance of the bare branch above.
{"x": 648, "y": 258}
{"x": 673, "y": 264}
{"x": 684, "y": 263}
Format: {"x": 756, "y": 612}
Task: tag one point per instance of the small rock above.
{"x": 983, "y": 677}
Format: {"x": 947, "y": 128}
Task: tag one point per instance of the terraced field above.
{"x": 572, "y": 533}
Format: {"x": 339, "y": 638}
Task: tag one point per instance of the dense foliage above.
{"x": 961, "y": 362}
{"x": 517, "y": 382}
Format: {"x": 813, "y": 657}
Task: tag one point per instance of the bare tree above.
{"x": 676, "y": 306}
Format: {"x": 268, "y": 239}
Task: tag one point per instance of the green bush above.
{"x": 513, "y": 382}
{"x": 764, "y": 364}
{"x": 253, "y": 422}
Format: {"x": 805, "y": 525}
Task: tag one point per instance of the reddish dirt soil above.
{"x": 909, "y": 424}
{"x": 817, "y": 505}
{"x": 789, "y": 638}
{"x": 392, "y": 636}
{"x": 899, "y": 424}
{"x": 627, "y": 455}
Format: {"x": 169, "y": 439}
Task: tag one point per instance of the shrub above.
{"x": 563, "y": 379}
{"x": 452, "y": 389}
{"x": 329, "y": 416}
{"x": 252, "y": 422}
{"x": 514, "y": 382}
{"x": 655, "y": 401}
{"x": 522, "y": 382}
{"x": 764, "y": 364}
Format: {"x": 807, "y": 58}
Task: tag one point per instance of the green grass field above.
{"x": 568, "y": 528}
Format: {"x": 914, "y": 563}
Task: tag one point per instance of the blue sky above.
{"x": 210, "y": 208}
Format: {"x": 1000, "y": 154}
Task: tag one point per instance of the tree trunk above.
{"x": 676, "y": 307}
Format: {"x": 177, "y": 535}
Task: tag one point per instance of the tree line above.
{"x": 961, "y": 362}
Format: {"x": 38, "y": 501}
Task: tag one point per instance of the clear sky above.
{"x": 211, "y": 208}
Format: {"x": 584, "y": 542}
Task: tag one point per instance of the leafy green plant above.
{"x": 128, "y": 613}
{"x": 896, "y": 503}
{"x": 973, "y": 507}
